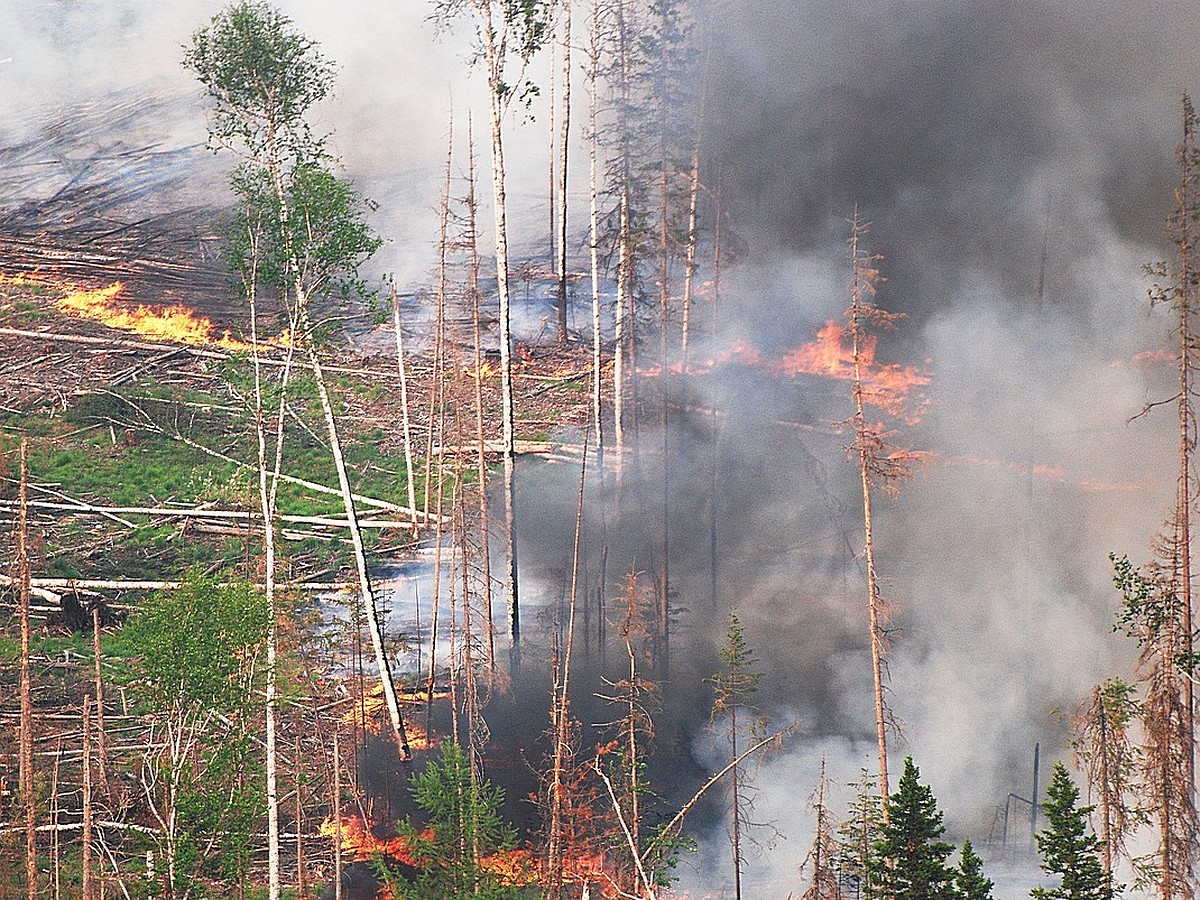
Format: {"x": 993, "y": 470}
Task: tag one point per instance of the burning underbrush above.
{"x": 361, "y": 843}
{"x": 894, "y": 388}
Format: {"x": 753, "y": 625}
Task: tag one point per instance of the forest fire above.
{"x": 171, "y": 323}
{"x": 369, "y": 712}
{"x": 511, "y": 867}
{"x": 887, "y": 386}
{"x": 892, "y": 387}
{"x": 175, "y": 323}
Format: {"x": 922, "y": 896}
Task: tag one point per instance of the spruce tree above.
{"x": 972, "y": 884}
{"x": 1068, "y": 847}
{"x": 913, "y": 859}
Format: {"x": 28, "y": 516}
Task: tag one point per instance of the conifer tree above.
{"x": 912, "y": 857}
{"x": 972, "y": 884}
{"x": 858, "y": 836}
{"x": 1068, "y": 848}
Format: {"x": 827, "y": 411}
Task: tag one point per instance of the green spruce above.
{"x": 972, "y": 884}
{"x": 1068, "y": 848}
{"x": 911, "y": 854}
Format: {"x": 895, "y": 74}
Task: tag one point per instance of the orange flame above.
{"x": 370, "y": 713}
{"x": 171, "y": 323}
{"x": 512, "y": 867}
{"x": 886, "y": 386}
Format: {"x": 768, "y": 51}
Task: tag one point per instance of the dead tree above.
{"x": 474, "y": 295}
{"x": 560, "y": 714}
{"x": 507, "y": 33}
{"x": 25, "y": 772}
{"x": 878, "y": 462}
{"x": 564, "y": 145}
{"x": 1109, "y": 757}
{"x": 824, "y": 850}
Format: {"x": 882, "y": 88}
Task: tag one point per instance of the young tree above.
{"x": 202, "y": 650}
{"x": 912, "y": 856}
{"x": 972, "y": 884}
{"x": 858, "y": 837}
{"x": 1067, "y": 847}
{"x": 733, "y": 689}
{"x": 263, "y": 77}
{"x": 462, "y": 823}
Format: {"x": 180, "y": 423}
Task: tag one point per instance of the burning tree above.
{"x": 879, "y": 461}
{"x": 455, "y": 850}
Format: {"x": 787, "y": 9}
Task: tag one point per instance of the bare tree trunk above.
{"x": 86, "y": 863}
{"x": 624, "y": 250}
{"x": 552, "y": 190}
{"x": 594, "y": 232}
{"x": 564, "y": 145}
{"x": 26, "y": 749}
{"x": 561, "y": 704}
{"x": 1183, "y": 502}
{"x": 56, "y": 845}
{"x": 337, "y": 813}
{"x": 98, "y": 682}
{"x": 296, "y": 785}
{"x": 356, "y": 540}
{"x": 481, "y": 459}
{"x": 663, "y": 636}
{"x": 864, "y": 461}
{"x": 405, "y": 421}
{"x": 690, "y": 266}
{"x": 735, "y": 789}
{"x": 506, "y": 381}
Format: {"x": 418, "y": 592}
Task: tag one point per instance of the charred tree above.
{"x": 878, "y": 462}
{"x": 822, "y": 855}
{"x": 25, "y": 772}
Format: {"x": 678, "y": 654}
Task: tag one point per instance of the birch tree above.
{"x": 508, "y": 33}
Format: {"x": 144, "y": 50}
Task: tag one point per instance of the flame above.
{"x": 515, "y": 868}
{"x": 171, "y": 323}
{"x": 892, "y": 387}
{"x": 370, "y": 713}
{"x": 486, "y": 370}
{"x": 360, "y": 841}
{"x": 889, "y": 387}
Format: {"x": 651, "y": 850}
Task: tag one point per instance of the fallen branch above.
{"x": 687, "y": 807}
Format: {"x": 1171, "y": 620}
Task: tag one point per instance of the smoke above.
{"x": 1015, "y": 159}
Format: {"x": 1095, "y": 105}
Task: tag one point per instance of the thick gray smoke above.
{"x": 1015, "y": 159}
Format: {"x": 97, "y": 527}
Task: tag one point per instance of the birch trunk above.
{"x": 481, "y": 458}
{"x": 564, "y": 145}
{"x": 405, "y": 421}
{"x": 594, "y": 232}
